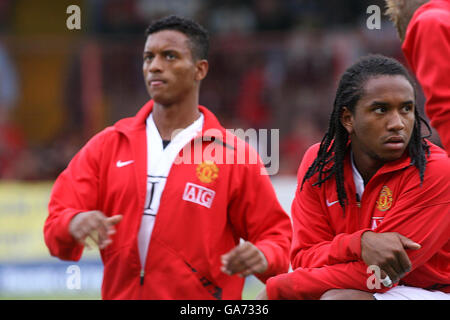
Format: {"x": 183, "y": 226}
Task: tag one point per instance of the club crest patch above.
{"x": 207, "y": 171}
{"x": 384, "y": 201}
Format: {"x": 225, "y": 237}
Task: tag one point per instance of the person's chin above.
{"x": 159, "y": 98}
{"x": 392, "y": 155}
{"x": 165, "y": 103}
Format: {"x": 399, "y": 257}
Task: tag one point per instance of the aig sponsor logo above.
{"x": 198, "y": 194}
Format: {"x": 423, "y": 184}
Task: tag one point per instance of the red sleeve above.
{"x": 311, "y": 283}
{"x": 74, "y": 191}
{"x": 258, "y": 217}
{"x": 315, "y": 243}
{"x": 427, "y": 49}
{"x": 420, "y": 214}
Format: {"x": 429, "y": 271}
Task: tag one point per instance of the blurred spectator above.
{"x": 252, "y": 106}
{"x": 229, "y": 17}
{"x": 12, "y": 148}
{"x": 304, "y": 134}
{"x": 272, "y": 15}
{"x": 11, "y": 140}
{"x": 9, "y": 87}
{"x": 151, "y": 10}
{"x": 5, "y": 7}
{"x": 119, "y": 17}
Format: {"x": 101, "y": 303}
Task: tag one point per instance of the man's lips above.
{"x": 156, "y": 82}
{"x": 395, "y": 139}
{"x": 395, "y": 142}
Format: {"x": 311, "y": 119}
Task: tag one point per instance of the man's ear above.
{"x": 202, "y": 67}
{"x": 347, "y": 119}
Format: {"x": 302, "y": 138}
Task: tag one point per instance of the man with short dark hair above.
{"x": 168, "y": 224}
{"x": 424, "y": 29}
{"x": 372, "y": 197}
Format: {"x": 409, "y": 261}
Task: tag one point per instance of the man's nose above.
{"x": 155, "y": 65}
{"x": 395, "y": 122}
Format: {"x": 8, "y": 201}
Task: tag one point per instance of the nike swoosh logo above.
{"x": 329, "y": 204}
{"x": 121, "y": 164}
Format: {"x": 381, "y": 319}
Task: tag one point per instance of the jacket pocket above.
{"x": 180, "y": 278}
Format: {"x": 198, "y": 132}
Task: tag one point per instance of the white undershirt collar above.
{"x": 357, "y": 178}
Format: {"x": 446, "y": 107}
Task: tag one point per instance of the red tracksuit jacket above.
{"x": 427, "y": 50}
{"x": 189, "y": 236}
{"x": 326, "y": 247}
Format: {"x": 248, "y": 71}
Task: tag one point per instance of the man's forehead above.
{"x": 167, "y": 38}
{"x": 396, "y": 85}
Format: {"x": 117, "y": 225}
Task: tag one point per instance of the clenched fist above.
{"x": 244, "y": 260}
{"x": 388, "y": 252}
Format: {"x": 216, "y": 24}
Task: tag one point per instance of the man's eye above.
{"x": 379, "y": 110}
{"x": 170, "y": 56}
{"x": 407, "y": 108}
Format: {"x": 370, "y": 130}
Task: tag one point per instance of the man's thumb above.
{"x": 408, "y": 243}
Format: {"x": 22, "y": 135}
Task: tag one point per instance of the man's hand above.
{"x": 95, "y": 225}
{"x": 245, "y": 259}
{"x": 387, "y": 251}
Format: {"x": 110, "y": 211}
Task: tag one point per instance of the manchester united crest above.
{"x": 207, "y": 171}
{"x": 384, "y": 201}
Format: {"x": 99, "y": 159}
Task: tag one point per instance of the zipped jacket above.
{"x": 326, "y": 246}
{"x": 207, "y": 206}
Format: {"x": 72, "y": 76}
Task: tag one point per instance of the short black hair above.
{"x": 197, "y": 34}
{"x": 330, "y": 157}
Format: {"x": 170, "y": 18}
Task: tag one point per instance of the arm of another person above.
{"x": 427, "y": 49}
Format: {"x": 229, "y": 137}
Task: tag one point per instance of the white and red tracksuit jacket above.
{"x": 188, "y": 238}
{"x": 326, "y": 245}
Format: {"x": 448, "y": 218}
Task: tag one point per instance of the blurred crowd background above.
{"x": 274, "y": 64}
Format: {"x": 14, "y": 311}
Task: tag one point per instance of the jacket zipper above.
{"x": 142, "y": 277}
{"x": 358, "y": 204}
{"x": 358, "y": 201}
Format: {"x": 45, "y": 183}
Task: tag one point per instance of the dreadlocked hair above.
{"x": 332, "y": 151}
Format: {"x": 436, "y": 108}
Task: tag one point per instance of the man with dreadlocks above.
{"x": 424, "y": 29}
{"x": 371, "y": 212}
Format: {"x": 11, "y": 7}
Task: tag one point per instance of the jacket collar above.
{"x": 399, "y": 164}
{"x": 403, "y": 162}
{"x": 138, "y": 122}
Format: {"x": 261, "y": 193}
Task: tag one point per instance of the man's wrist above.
{"x": 357, "y": 242}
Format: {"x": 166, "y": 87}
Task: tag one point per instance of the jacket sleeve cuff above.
{"x": 60, "y": 242}
{"x": 274, "y": 286}
{"x": 276, "y": 263}
{"x": 62, "y": 234}
{"x": 354, "y": 244}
